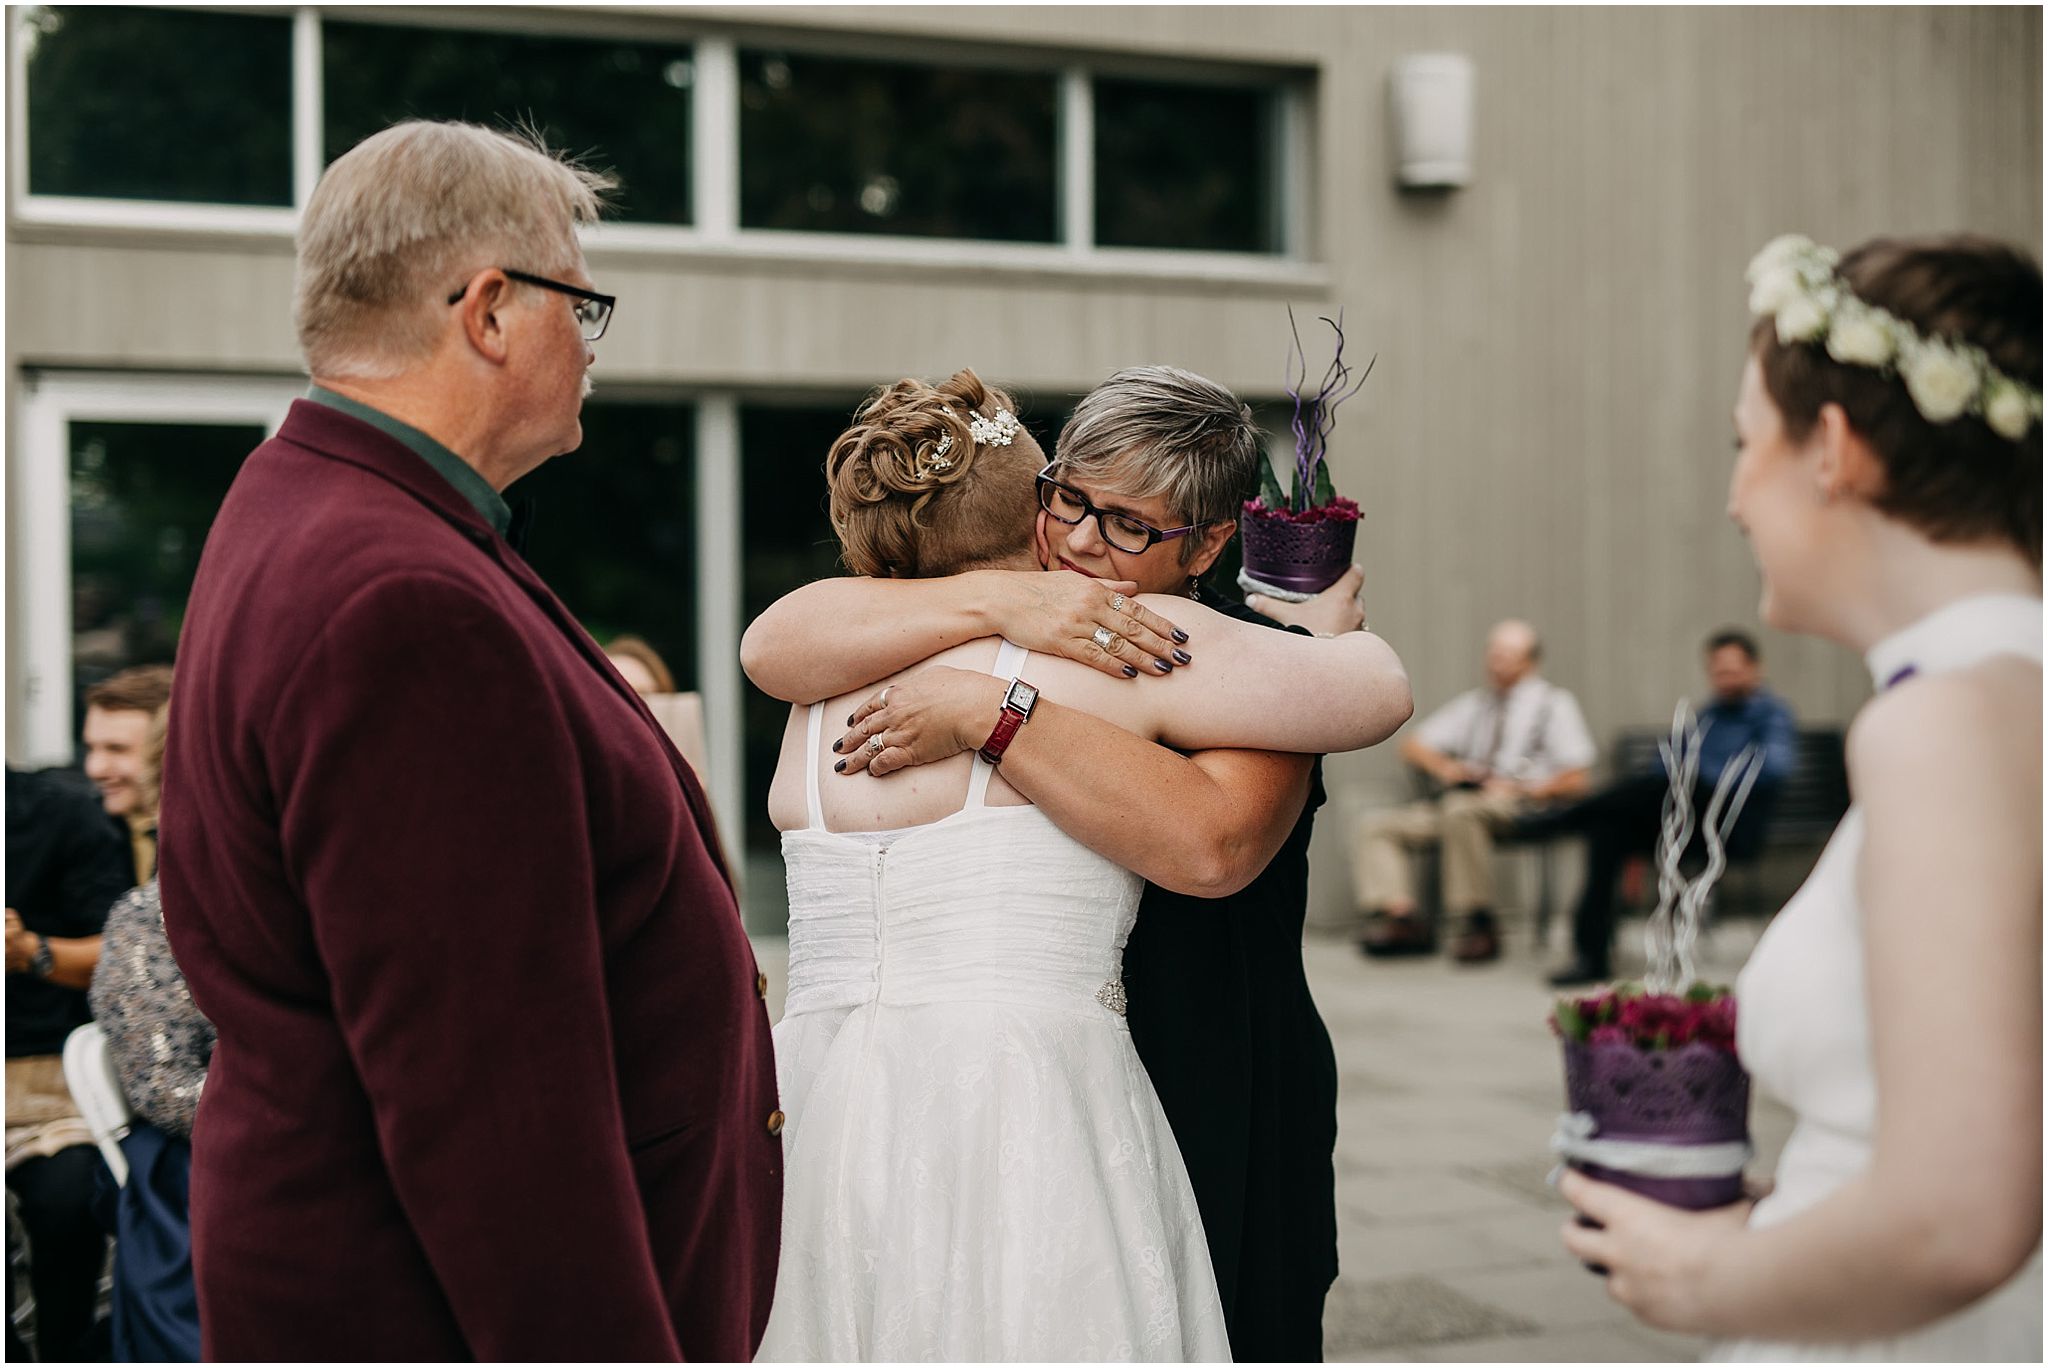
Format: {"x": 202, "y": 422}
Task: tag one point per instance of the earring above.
{"x": 1194, "y": 588}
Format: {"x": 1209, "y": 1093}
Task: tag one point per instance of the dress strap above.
{"x": 1009, "y": 663}
{"x": 815, "y": 732}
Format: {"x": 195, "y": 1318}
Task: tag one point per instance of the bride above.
{"x": 1889, "y": 480}
{"x": 976, "y": 1166}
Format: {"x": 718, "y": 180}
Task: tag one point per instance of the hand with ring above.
{"x": 935, "y": 713}
{"x": 1097, "y": 622}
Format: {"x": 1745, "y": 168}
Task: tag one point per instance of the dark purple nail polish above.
{"x": 1164, "y": 667}
{"x": 1183, "y": 657}
{"x": 849, "y": 719}
{"x": 1130, "y": 671}
{"x": 835, "y": 747}
{"x": 1180, "y": 636}
{"x": 839, "y": 767}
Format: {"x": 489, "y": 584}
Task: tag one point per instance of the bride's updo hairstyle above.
{"x": 914, "y": 495}
{"x": 1956, "y": 481}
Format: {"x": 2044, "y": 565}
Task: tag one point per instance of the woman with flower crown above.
{"x": 1888, "y": 476}
{"x": 976, "y": 1165}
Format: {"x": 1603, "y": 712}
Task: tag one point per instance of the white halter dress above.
{"x": 975, "y": 1165}
{"x": 1804, "y": 1028}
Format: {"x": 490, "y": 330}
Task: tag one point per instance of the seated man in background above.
{"x": 1625, "y": 818}
{"x": 119, "y": 712}
{"x": 1494, "y": 753}
{"x": 65, "y": 868}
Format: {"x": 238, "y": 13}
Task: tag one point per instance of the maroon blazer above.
{"x": 494, "y": 1077}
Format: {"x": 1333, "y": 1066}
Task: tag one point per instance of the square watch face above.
{"x": 1021, "y": 696}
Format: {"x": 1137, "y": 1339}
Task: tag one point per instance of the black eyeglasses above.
{"x": 1120, "y": 530}
{"x": 593, "y": 310}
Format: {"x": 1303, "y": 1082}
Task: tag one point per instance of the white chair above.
{"x": 89, "y": 1074}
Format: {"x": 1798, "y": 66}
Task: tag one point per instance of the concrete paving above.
{"x": 1450, "y": 1085}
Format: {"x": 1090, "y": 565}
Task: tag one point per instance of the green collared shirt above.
{"x": 446, "y": 463}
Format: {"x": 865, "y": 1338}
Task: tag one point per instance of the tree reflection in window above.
{"x": 614, "y": 529}
{"x": 143, "y": 496}
{"x": 1191, "y": 167}
{"x": 836, "y": 145}
{"x": 131, "y": 103}
{"x": 623, "y": 106}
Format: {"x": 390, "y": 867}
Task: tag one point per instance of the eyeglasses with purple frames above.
{"x": 1122, "y": 531}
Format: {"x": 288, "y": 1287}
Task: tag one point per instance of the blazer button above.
{"x": 761, "y": 986}
{"x": 775, "y": 1120}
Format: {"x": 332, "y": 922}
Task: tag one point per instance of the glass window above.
{"x": 1186, "y": 166}
{"x": 143, "y": 496}
{"x": 130, "y": 103}
{"x": 624, "y": 106}
{"x": 614, "y": 530}
{"x": 839, "y": 146}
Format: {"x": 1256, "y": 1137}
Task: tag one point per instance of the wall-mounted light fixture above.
{"x": 1429, "y": 98}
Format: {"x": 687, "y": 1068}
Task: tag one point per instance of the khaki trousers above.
{"x": 1463, "y": 820}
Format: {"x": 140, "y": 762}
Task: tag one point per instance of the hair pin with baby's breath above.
{"x": 999, "y": 430}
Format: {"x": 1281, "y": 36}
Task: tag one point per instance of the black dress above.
{"x": 1220, "y": 1012}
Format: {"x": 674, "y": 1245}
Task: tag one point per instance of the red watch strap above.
{"x": 999, "y": 740}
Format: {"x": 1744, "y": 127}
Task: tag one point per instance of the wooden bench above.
{"x": 1803, "y": 814}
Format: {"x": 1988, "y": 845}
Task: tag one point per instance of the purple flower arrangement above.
{"x": 1298, "y": 543}
{"x": 1656, "y": 1099}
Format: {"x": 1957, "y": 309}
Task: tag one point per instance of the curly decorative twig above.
{"x": 1315, "y": 416}
{"x": 1674, "y": 927}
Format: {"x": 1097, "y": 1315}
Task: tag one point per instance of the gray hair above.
{"x": 397, "y": 220}
{"x": 1158, "y": 430}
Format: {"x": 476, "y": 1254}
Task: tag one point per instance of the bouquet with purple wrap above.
{"x": 1656, "y": 1099}
{"x": 1298, "y": 544}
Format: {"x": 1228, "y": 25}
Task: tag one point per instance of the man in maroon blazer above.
{"x": 494, "y": 1077}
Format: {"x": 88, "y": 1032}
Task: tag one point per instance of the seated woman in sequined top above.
{"x": 161, "y": 1047}
{"x": 160, "y": 1043}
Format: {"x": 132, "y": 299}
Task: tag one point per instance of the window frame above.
{"x": 714, "y": 153}
{"x": 40, "y": 728}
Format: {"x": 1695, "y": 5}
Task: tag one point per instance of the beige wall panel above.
{"x": 1547, "y": 433}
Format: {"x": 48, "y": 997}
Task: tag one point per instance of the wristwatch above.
{"x": 41, "y": 963}
{"x": 1018, "y": 702}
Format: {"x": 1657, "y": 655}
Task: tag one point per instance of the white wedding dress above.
{"x": 1804, "y": 1028}
{"x": 975, "y": 1165}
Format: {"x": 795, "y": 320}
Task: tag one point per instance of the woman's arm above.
{"x": 1270, "y": 690}
{"x": 1946, "y": 772}
{"x": 835, "y": 635}
{"x": 1255, "y": 689}
{"x": 1205, "y": 825}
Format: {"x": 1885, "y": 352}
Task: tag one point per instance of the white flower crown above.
{"x": 1793, "y": 281}
{"x": 1000, "y": 430}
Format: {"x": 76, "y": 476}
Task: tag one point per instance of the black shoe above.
{"x": 1578, "y": 974}
{"x": 1387, "y": 935}
{"x": 1479, "y": 942}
